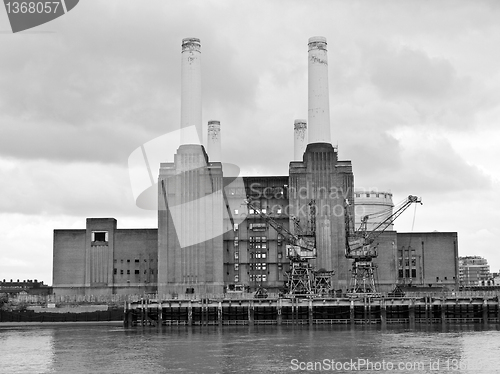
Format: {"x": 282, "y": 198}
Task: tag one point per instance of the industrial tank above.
{"x": 376, "y": 204}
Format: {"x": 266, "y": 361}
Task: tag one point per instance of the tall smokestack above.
{"x": 319, "y": 107}
{"x": 214, "y": 141}
{"x": 300, "y": 139}
{"x": 191, "y": 92}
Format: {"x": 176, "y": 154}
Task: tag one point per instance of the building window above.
{"x": 279, "y": 210}
{"x": 357, "y": 195}
{"x": 236, "y": 211}
{"x": 280, "y": 255}
{"x": 235, "y": 227}
{"x": 236, "y": 267}
{"x": 280, "y": 266}
{"x": 128, "y": 260}
{"x": 115, "y": 271}
{"x": 128, "y": 271}
{"x": 99, "y": 236}
{"x": 137, "y": 272}
{"x": 367, "y": 195}
{"x": 236, "y": 255}
{"x": 258, "y": 226}
{"x": 413, "y": 273}
{"x": 121, "y": 272}
{"x": 136, "y": 260}
{"x": 236, "y": 278}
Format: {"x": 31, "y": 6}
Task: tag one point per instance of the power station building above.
{"x": 210, "y": 241}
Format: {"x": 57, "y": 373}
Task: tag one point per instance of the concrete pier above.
{"x": 311, "y": 311}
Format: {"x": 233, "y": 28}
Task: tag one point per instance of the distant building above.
{"x": 102, "y": 259}
{"x": 26, "y": 287}
{"x": 474, "y": 271}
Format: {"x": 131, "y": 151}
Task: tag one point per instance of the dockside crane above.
{"x": 361, "y": 249}
{"x": 300, "y": 249}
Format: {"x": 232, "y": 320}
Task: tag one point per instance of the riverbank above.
{"x": 47, "y": 324}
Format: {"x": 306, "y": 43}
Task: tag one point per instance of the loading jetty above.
{"x": 431, "y": 309}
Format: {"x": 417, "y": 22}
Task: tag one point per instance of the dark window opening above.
{"x": 115, "y": 271}
{"x": 137, "y": 272}
{"x": 100, "y": 236}
{"x": 128, "y": 271}
{"x": 136, "y": 260}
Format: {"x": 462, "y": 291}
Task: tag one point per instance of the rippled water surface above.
{"x": 258, "y": 349}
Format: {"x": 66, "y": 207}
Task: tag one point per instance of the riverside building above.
{"x": 209, "y": 241}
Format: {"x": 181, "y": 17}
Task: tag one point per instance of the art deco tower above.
{"x": 319, "y": 176}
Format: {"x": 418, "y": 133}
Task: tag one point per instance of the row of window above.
{"x": 406, "y": 273}
{"x": 374, "y": 194}
{"x": 256, "y": 255}
{"x": 115, "y": 271}
{"x": 136, "y": 260}
{"x": 257, "y": 266}
{"x": 258, "y": 277}
{"x": 279, "y": 210}
{"x": 407, "y": 262}
{"x": 253, "y": 242}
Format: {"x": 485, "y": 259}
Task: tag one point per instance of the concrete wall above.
{"x": 190, "y": 223}
{"x": 436, "y": 257}
{"x": 68, "y": 259}
{"x": 386, "y": 261}
{"x": 135, "y": 260}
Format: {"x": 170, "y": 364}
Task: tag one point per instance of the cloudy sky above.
{"x": 414, "y": 102}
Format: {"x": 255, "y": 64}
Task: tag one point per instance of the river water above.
{"x": 250, "y": 349}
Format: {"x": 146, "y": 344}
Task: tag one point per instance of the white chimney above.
{"x": 214, "y": 141}
{"x": 319, "y": 107}
{"x": 191, "y": 92}
{"x": 300, "y": 139}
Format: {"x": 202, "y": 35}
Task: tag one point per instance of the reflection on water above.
{"x": 271, "y": 349}
{"x": 26, "y": 351}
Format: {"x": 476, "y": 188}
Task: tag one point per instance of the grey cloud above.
{"x": 433, "y": 166}
{"x": 412, "y": 73}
